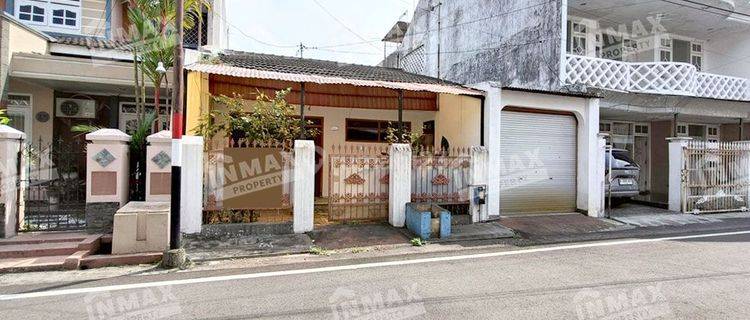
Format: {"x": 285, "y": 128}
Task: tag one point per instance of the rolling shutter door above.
{"x": 538, "y": 163}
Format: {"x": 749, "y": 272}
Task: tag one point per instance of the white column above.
{"x": 589, "y": 180}
{"x": 107, "y": 167}
{"x": 399, "y": 186}
{"x": 11, "y": 209}
{"x": 191, "y": 186}
{"x": 159, "y": 166}
{"x": 479, "y": 166}
{"x": 492, "y": 112}
{"x": 304, "y": 185}
{"x": 596, "y": 199}
{"x": 676, "y": 159}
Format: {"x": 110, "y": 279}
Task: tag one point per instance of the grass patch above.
{"x": 318, "y": 251}
{"x": 417, "y": 242}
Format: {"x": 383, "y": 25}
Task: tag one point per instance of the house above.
{"x": 559, "y": 72}
{"x": 65, "y": 63}
{"x": 351, "y": 107}
{"x": 56, "y": 54}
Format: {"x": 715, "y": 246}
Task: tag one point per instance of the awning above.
{"x": 226, "y": 70}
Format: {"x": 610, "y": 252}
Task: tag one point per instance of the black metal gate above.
{"x": 54, "y": 186}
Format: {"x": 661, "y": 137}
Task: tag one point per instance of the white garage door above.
{"x": 538, "y": 163}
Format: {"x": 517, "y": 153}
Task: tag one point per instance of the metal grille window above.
{"x": 192, "y": 36}
{"x": 414, "y": 61}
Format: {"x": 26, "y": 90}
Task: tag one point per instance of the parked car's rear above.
{"x": 624, "y": 174}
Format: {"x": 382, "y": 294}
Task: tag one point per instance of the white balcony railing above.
{"x": 671, "y": 78}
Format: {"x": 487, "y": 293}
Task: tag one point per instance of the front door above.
{"x": 317, "y": 124}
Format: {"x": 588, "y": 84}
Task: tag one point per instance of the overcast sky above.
{"x": 278, "y": 26}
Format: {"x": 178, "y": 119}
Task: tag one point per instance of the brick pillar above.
{"x": 479, "y": 178}
{"x": 304, "y": 185}
{"x": 159, "y": 166}
{"x": 399, "y": 186}
{"x": 676, "y": 193}
{"x": 107, "y": 168}
{"x": 11, "y": 209}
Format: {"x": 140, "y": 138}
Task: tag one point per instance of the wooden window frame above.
{"x": 382, "y": 126}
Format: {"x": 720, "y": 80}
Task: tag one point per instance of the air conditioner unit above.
{"x": 75, "y": 108}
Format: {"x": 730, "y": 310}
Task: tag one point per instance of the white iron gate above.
{"x": 715, "y": 177}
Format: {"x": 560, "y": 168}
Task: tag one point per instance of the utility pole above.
{"x": 175, "y": 236}
{"x": 439, "y": 34}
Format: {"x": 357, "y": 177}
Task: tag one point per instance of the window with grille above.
{"x": 578, "y": 43}
{"x": 51, "y": 15}
{"x": 193, "y": 36}
{"x": 696, "y": 55}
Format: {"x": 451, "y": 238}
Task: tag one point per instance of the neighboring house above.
{"x": 67, "y": 62}
{"x": 558, "y": 72}
{"x": 349, "y": 105}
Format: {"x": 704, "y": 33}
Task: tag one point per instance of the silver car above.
{"x": 624, "y": 175}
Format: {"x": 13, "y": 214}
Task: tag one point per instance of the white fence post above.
{"x": 304, "y": 185}
{"x": 399, "y": 187}
{"x": 11, "y": 209}
{"x": 597, "y": 199}
{"x": 191, "y": 187}
{"x": 676, "y": 160}
{"x": 159, "y": 166}
{"x": 479, "y": 177}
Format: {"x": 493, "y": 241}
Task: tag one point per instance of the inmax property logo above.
{"x": 395, "y": 304}
{"x": 522, "y": 169}
{"x": 150, "y": 303}
{"x": 637, "y": 303}
{"x": 253, "y": 177}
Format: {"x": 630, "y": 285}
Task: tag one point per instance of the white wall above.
{"x": 458, "y": 120}
{"x": 728, "y": 55}
{"x": 586, "y": 112}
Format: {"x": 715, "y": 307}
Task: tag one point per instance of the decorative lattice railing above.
{"x": 722, "y": 87}
{"x": 653, "y": 77}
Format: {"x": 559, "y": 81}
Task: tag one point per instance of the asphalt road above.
{"x": 685, "y": 278}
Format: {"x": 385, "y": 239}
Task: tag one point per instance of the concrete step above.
{"x": 47, "y": 263}
{"x": 44, "y": 237}
{"x": 38, "y": 250}
{"x": 108, "y": 260}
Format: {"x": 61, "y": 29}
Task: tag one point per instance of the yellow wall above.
{"x": 17, "y": 39}
{"x": 459, "y": 120}
{"x": 197, "y": 100}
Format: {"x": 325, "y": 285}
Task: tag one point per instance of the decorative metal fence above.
{"x": 715, "y": 177}
{"x": 358, "y": 183}
{"x": 441, "y": 176}
{"x": 214, "y": 182}
{"x": 55, "y": 186}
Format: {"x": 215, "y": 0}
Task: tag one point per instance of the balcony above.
{"x": 671, "y": 78}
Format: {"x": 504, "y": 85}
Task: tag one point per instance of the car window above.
{"x": 621, "y": 159}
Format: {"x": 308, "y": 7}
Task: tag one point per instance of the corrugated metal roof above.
{"x": 272, "y": 67}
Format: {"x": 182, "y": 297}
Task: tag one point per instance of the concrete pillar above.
{"x": 107, "y": 178}
{"x": 478, "y": 170}
{"x": 492, "y": 112}
{"x": 11, "y": 191}
{"x": 597, "y": 198}
{"x": 399, "y": 186}
{"x": 304, "y": 185}
{"x": 676, "y": 157}
{"x": 191, "y": 187}
{"x": 588, "y": 178}
{"x": 159, "y": 166}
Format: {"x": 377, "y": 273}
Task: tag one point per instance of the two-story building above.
{"x": 68, "y": 62}
{"x": 559, "y": 72}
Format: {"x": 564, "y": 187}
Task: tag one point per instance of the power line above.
{"x": 341, "y": 22}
